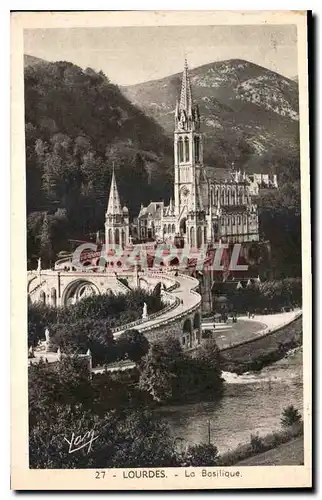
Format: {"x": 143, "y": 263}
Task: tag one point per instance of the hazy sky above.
{"x": 135, "y": 54}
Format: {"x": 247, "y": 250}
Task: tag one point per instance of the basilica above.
{"x": 203, "y": 209}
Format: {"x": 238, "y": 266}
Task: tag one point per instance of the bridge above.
{"x": 181, "y": 316}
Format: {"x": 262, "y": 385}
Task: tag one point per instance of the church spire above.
{"x": 114, "y": 204}
{"x": 186, "y": 97}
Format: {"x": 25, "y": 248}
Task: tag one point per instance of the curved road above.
{"x": 187, "y": 300}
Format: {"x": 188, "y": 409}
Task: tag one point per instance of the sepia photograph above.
{"x": 165, "y": 189}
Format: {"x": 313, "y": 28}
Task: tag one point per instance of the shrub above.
{"x": 290, "y": 416}
{"x": 256, "y": 443}
{"x": 133, "y": 344}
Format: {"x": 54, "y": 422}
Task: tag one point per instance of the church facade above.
{"x": 202, "y": 209}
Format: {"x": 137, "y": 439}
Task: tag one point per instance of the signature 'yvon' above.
{"x": 79, "y": 442}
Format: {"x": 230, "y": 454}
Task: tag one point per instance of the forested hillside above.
{"x": 77, "y": 125}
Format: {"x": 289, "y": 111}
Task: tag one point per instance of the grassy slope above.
{"x": 291, "y": 453}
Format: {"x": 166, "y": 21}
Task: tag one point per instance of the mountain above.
{"x": 31, "y": 60}
{"x": 249, "y": 114}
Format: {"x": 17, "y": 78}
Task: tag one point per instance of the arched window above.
{"x": 123, "y": 237}
{"x": 197, "y": 148}
{"x": 222, "y": 201}
{"x": 117, "y": 236}
{"x": 173, "y": 228}
{"x": 169, "y": 228}
{"x": 186, "y": 149}
{"x": 233, "y": 220}
{"x": 233, "y": 197}
{"x": 53, "y": 296}
{"x": 180, "y": 150}
{"x": 110, "y": 235}
{"x": 164, "y": 229}
{"x": 192, "y": 237}
{"x": 228, "y": 197}
{"x": 205, "y": 234}
{"x": 42, "y": 297}
{"x": 199, "y": 237}
{"x": 238, "y": 219}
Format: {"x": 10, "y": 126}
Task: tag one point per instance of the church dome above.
{"x": 125, "y": 210}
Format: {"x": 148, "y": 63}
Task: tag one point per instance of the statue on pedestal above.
{"x": 145, "y": 311}
{"x": 47, "y": 342}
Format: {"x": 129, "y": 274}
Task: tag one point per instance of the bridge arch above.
{"x": 187, "y": 333}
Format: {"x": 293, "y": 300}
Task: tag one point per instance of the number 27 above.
{"x": 100, "y": 474}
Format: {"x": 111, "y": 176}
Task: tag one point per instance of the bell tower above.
{"x": 188, "y": 167}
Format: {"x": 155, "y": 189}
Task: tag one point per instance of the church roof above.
{"x": 114, "y": 203}
{"x": 151, "y": 210}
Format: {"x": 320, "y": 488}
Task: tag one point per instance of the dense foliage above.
{"x": 167, "y": 373}
{"x": 280, "y": 223}
{"x": 88, "y": 324}
{"x": 268, "y": 296}
{"x": 77, "y": 125}
{"x": 63, "y": 400}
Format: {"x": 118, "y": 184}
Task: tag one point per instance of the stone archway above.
{"x": 78, "y": 290}
{"x": 187, "y": 333}
{"x": 143, "y": 284}
{"x": 197, "y": 326}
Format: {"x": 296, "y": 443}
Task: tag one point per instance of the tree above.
{"x": 160, "y": 367}
{"x": 204, "y": 372}
{"x": 45, "y": 241}
{"x": 290, "y": 416}
{"x": 134, "y": 344}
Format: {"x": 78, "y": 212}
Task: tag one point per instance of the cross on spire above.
{"x": 185, "y": 97}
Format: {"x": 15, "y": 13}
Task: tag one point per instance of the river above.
{"x": 252, "y": 403}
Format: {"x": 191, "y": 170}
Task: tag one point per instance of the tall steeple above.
{"x": 116, "y": 218}
{"x": 186, "y": 114}
{"x": 185, "y": 96}
{"x": 114, "y": 204}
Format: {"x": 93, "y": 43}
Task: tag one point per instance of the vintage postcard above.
{"x": 161, "y": 253}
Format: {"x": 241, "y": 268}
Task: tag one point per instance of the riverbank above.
{"x": 262, "y": 351}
